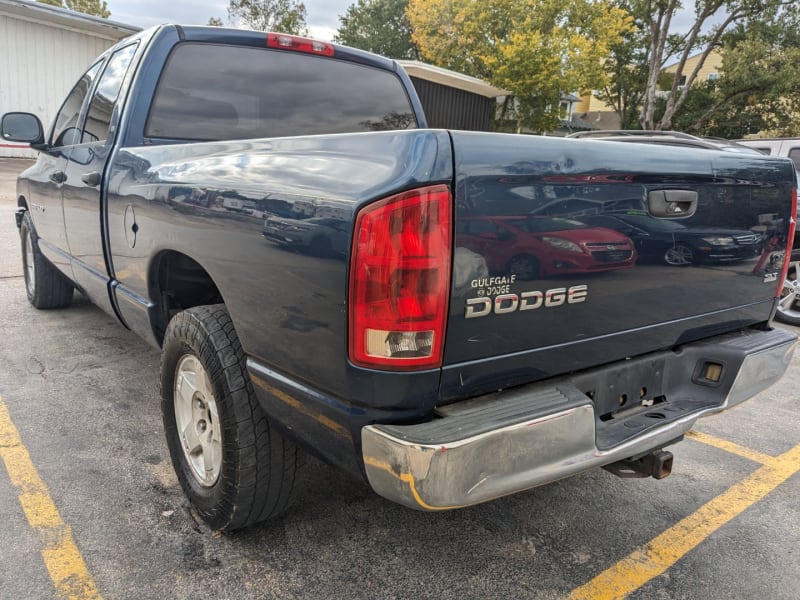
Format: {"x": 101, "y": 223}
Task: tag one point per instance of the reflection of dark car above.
{"x": 320, "y": 235}
{"x": 531, "y": 246}
{"x": 578, "y": 207}
{"x": 676, "y": 244}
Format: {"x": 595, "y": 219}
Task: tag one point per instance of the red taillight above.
{"x": 788, "y": 258}
{"x": 400, "y": 280}
{"x": 298, "y": 44}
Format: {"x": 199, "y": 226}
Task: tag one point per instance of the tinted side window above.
{"x": 212, "y": 92}
{"x": 65, "y": 130}
{"x": 105, "y": 96}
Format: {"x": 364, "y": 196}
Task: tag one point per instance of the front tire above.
{"x": 233, "y": 466}
{"x": 45, "y": 286}
{"x": 788, "y": 310}
{"x": 679, "y": 255}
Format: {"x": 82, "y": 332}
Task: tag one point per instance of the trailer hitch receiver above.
{"x": 656, "y": 464}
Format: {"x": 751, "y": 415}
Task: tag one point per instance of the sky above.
{"x": 322, "y": 16}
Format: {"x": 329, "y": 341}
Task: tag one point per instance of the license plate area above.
{"x": 641, "y": 394}
{"x": 632, "y": 387}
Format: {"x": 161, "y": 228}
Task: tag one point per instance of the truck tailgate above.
{"x": 571, "y": 254}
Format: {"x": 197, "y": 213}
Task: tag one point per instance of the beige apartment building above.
{"x": 602, "y": 115}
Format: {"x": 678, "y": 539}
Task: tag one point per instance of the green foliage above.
{"x": 284, "y": 16}
{"x": 379, "y": 26}
{"x": 736, "y": 119}
{"x": 714, "y": 21}
{"x": 536, "y": 49}
{"x": 761, "y": 73}
{"x": 626, "y": 72}
{"x": 215, "y": 22}
{"x": 759, "y": 84}
{"x": 98, "y": 8}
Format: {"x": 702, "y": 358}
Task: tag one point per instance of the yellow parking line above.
{"x": 64, "y": 562}
{"x": 747, "y": 453}
{"x": 655, "y": 557}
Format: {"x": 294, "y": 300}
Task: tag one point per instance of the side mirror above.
{"x": 22, "y": 127}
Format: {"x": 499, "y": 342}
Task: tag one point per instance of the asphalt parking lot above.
{"x": 89, "y": 506}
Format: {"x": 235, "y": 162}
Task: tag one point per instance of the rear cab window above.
{"x": 219, "y": 92}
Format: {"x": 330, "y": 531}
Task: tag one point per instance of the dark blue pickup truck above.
{"x": 453, "y": 316}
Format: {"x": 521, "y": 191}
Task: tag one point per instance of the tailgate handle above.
{"x": 672, "y": 204}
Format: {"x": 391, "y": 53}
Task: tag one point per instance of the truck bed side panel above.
{"x": 271, "y": 222}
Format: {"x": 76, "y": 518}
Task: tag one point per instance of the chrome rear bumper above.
{"x": 503, "y": 443}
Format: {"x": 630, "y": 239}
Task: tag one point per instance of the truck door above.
{"x": 45, "y": 201}
{"x": 84, "y": 217}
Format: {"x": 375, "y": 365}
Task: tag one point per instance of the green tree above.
{"x": 379, "y": 26}
{"x": 215, "y": 22}
{"x": 98, "y": 8}
{"x": 626, "y": 75}
{"x": 736, "y": 118}
{"x": 758, "y": 88}
{"x": 536, "y": 49}
{"x": 713, "y": 20}
{"x": 285, "y": 16}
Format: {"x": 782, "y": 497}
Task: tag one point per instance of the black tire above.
{"x": 255, "y": 480}
{"x": 788, "y": 310}
{"x": 680, "y": 255}
{"x": 45, "y": 286}
{"x": 524, "y": 266}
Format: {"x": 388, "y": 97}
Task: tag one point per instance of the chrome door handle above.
{"x": 672, "y": 204}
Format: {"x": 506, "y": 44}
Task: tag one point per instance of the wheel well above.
{"x": 22, "y": 203}
{"x": 178, "y": 282}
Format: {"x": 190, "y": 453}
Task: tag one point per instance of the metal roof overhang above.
{"x": 452, "y": 79}
{"x": 50, "y": 15}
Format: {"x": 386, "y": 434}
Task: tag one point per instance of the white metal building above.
{"x": 43, "y": 52}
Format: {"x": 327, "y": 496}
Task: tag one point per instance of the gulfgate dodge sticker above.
{"x": 507, "y": 302}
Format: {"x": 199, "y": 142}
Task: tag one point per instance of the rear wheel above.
{"x": 789, "y": 305}
{"x": 234, "y": 467}
{"x": 45, "y": 286}
{"x": 679, "y": 255}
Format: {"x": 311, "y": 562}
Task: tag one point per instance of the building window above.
{"x": 713, "y": 76}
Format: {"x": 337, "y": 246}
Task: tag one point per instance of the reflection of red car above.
{"x": 531, "y": 246}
